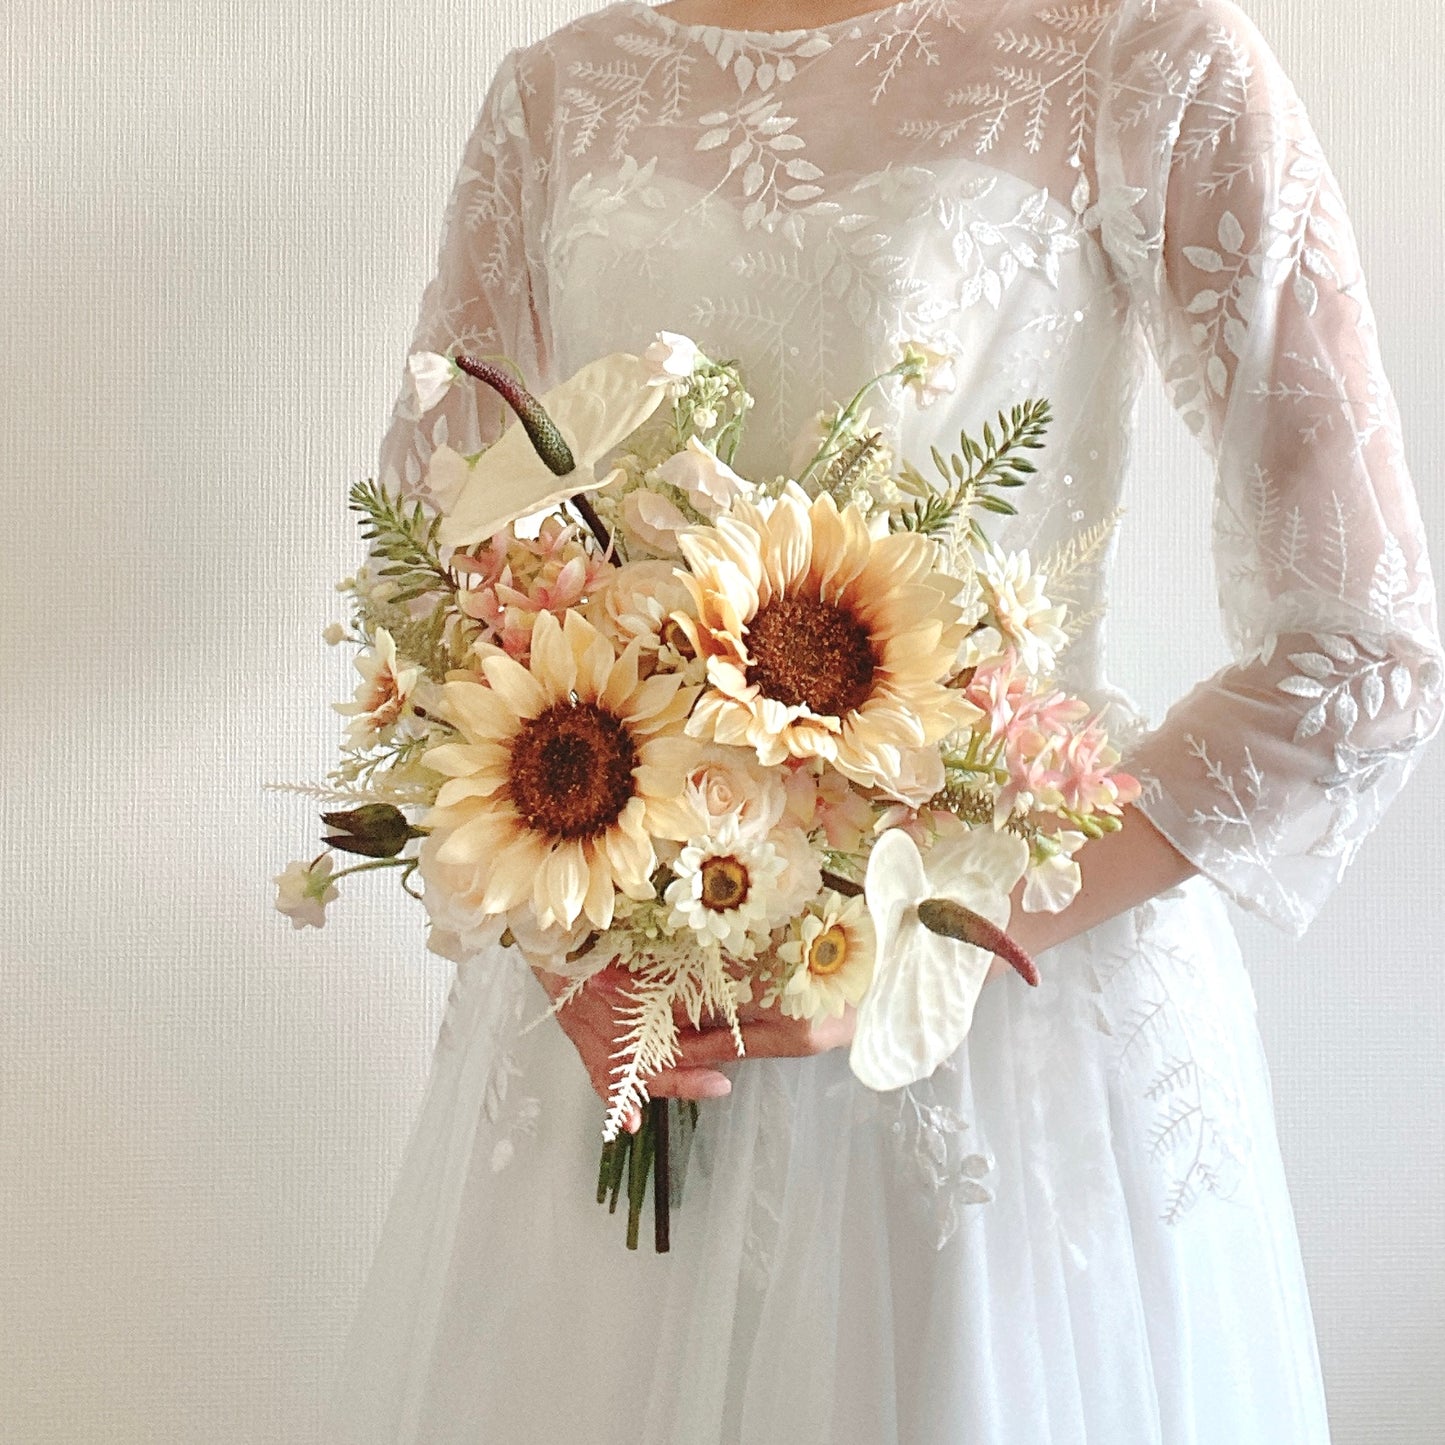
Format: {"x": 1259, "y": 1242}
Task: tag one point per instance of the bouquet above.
{"x": 790, "y": 741}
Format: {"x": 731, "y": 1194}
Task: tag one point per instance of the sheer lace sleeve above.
{"x": 1222, "y": 216}
{"x": 486, "y": 294}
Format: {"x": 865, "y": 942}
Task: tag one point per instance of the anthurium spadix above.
{"x": 927, "y": 977}
{"x": 580, "y": 421}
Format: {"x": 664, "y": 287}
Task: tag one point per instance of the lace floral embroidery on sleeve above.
{"x": 1227, "y": 225}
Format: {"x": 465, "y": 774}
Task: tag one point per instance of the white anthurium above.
{"x": 595, "y": 410}
{"x": 925, "y": 985}
{"x": 447, "y": 472}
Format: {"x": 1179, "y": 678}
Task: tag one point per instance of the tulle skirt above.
{"x": 1077, "y": 1230}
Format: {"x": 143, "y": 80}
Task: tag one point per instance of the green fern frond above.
{"x": 850, "y": 465}
{"x": 971, "y": 474}
{"x": 404, "y": 538}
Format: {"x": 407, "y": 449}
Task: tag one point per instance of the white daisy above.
{"x": 383, "y": 697}
{"x": 831, "y": 955}
{"x": 726, "y": 887}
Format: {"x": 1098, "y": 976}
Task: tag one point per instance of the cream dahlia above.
{"x": 568, "y": 771}
{"x": 1016, "y": 599}
{"x": 635, "y": 603}
{"x": 820, "y": 640}
{"x": 383, "y": 696}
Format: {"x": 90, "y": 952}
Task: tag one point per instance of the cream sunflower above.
{"x": 821, "y": 640}
{"x": 568, "y": 771}
{"x": 831, "y": 953}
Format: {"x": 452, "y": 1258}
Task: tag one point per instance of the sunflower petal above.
{"x": 514, "y": 685}
{"x": 554, "y": 665}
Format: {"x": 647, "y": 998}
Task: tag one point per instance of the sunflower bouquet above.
{"x": 790, "y": 741}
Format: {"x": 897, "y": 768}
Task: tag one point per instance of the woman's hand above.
{"x": 768, "y": 1033}
{"x": 592, "y": 1021}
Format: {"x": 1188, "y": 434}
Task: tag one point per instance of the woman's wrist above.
{"x": 1118, "y": 871}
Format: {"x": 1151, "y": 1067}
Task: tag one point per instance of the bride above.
{"x": 1077, "y": 1230}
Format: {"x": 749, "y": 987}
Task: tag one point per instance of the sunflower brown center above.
{"x": 724, "y": 884}
{"x": 809, "y": 653}
{"x": 829, "y": 952}
{"x": 571, "y": 770}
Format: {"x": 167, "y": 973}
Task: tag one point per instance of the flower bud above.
{"x": 377, "y": 830}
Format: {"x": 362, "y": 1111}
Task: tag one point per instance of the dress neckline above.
{"x": 697, "y": 29}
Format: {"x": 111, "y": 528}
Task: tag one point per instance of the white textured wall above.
{"x": 215, "y": 224}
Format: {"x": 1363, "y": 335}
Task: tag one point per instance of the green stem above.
{"x": 367, "y": 867}
{"x": 621, "y": 1152}
{"x": 661, "y": 1177}
{"x": 839, "y": 884}
{"x": 848, "y": 413}
{"x": 639, "y": 1164}
{"x": 604, "y": 1171}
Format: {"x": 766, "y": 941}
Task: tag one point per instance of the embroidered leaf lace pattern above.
{"x": 1057, "y": 192}
{"x": 1234, "y": 240}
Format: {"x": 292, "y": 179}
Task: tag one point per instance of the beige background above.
{"x": 217, "y": 221}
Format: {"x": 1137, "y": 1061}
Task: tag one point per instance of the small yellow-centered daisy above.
{"x": 831, "y": 954}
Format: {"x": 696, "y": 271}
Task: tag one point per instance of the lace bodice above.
{"x": 1054, "y": 191}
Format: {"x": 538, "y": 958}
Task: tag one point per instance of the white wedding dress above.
{"x": 1078, "y": 1229}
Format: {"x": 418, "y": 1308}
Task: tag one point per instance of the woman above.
{"x": 1077, "y": 1229}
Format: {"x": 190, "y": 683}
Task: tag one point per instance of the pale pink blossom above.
{"x": 652, "y": 520}
{"x": 707, "y": 481}
{"x": 510, "y": 581}
{"x": 1086, "y": 781}
{"x": 998, "y": 689}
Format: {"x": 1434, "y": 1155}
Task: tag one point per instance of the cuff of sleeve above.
{"x": 1241, "y": 879}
